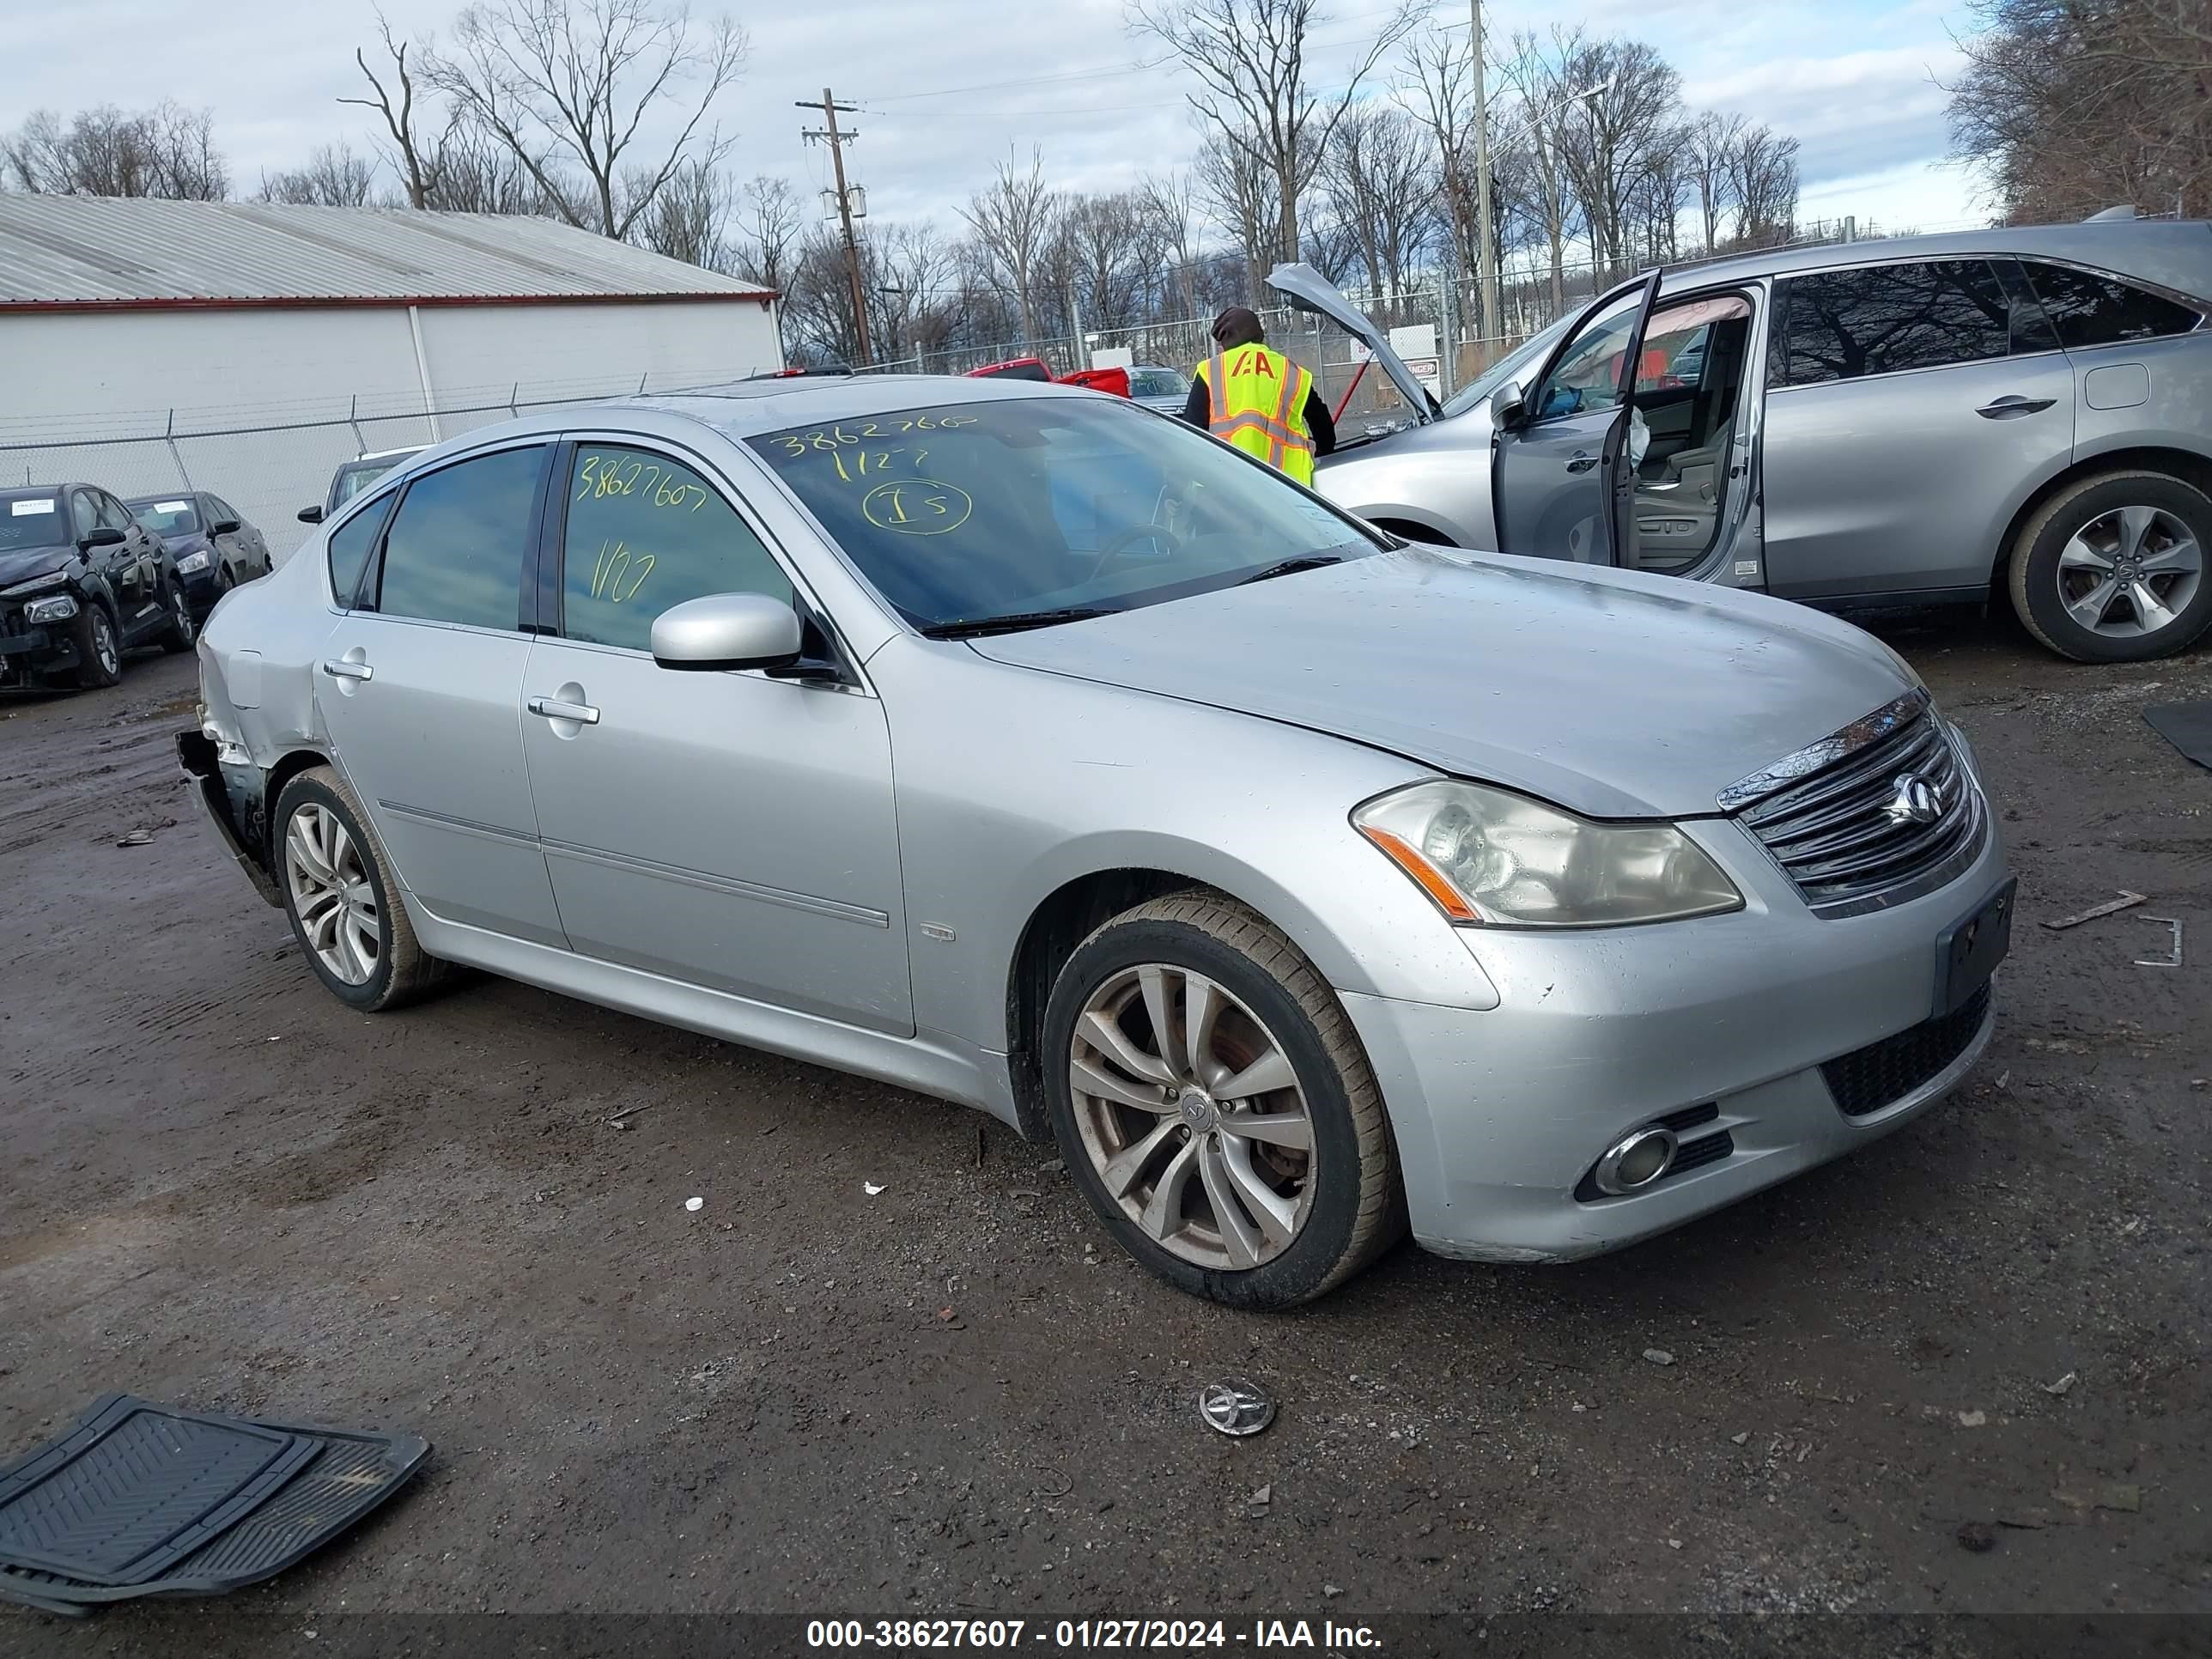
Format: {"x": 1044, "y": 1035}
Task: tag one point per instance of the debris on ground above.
{"x": 872, "y": 1189}
{"x": 1977, "y": 1537}
{"x": 1659, "y": 1356}
{"x": 627, "y": 1111}
{"x": 1972, "y": 1419}
{"x": 1054, "y": 1166}
{"x": 2119, "y": 1495}
{"x": 694, "y": 1204}
{"x": 2111, "y": 907}
{"x": 137, "y": 838}
{"x": 1332, "y": 1591}
{"x": 2062, "y": 1386}
{"x": 2173, "y": 958}
{"x": 1235, "y": 1407}
{"x": 1261, "y": 1496}
{"x": 1739, "y": 1438}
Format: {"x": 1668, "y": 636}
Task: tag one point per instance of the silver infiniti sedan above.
{"x": 1013, "y": 745}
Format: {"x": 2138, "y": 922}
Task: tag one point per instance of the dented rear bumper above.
{"x": 233, "y": 803}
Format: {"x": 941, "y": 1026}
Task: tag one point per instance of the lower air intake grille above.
{"x": 1882, "y": 1074}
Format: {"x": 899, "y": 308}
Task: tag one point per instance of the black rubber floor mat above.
{"x": 349, "y": 1474}
{"x": 2186, "y": 726}
{"x": 134, "y": 1488}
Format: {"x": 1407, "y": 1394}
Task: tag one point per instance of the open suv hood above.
{"x": 1309, "y": 290}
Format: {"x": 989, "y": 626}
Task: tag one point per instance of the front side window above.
{"x": 350, "y": 544}
{"x": 645, "y": 531}
{"x": 1883, "y": 319}
{"x": 961, "y": 512}
{"x": 114, "y": 515}
{"x": 84, "y": 513}
{"x": 457, "y": 544}
{"x": 2094, "y": 310}
{"x": 1588, "y": 375}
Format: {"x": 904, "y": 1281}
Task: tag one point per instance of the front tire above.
{"x": 98, "y": 649}
{"x": 1246, "y": 1156}
{"x": 179, "y": 633}
{"x": 2114, "y": 569}
{"x": 340, "y": 893}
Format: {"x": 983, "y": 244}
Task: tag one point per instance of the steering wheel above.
{"x": 1117, "y": 545}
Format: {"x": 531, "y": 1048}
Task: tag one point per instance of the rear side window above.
{"x": 2093, "y": 310}
{"x": 350, "y": 544}
{"x": 644, "y": 532}
{"x": 457, "y": 544}
{"x": 1883, "y": 319}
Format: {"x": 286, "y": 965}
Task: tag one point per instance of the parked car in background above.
{"x": 1014, "y": 368}
{"x": 352, "y": 477}
{"x": 81, "y": 581}
{"x": 211, "y": 546}
{"x": 1933, "y": 419}
{"x": 1012, "y": 744}
{"x": 1163, "y": 389}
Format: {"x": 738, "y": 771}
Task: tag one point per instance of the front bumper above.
{"x": 27, "y": 652}
{"x": 1500, "y": 1114}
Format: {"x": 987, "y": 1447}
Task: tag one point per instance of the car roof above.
{"x": 752, "y": 407}
{"x": 385, "y": 454}
{"x": 2171, "y": 253}
{"x": 162, "y": 495}
{"x": 24, "y": 492}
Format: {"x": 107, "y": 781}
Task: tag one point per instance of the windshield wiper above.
{"x": 1291, "y": 567}
{"x": 965, "y": 627}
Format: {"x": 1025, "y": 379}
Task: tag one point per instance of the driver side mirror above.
{"x": 310, "y": 515}
{"x": 223, "y": 527}
{"x": 727, "y": 630}
{"x": 102, "y": 536}
{"x": 1506, "y": 405}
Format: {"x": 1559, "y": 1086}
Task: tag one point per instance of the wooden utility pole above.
{"x": 1486, "y": 246}
{"x": 828, "y": 134}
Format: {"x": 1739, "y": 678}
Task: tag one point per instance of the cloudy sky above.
{"x": 948, "y": 85}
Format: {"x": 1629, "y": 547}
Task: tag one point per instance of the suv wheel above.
{"x": 99, "y": 648}
{"x": 338, "y": 892}
{"x": 1214, "y": 1105}
{"x": 178, "y": 633}
{"x": 2116, "y": 569}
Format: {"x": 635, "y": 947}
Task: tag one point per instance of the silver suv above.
{"x": 1910, "y": 422}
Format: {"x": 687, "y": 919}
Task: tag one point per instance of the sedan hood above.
{"x": 22, "y": 563}
{"x": 1616, "y": 696}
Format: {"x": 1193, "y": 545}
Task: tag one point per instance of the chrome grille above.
{"x": 1831, "y": 815}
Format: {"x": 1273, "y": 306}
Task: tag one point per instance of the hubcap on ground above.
{"x": 2129, "y": 572}
{"x": 1193, "y": 1116}
{"x": 332, "y": 894}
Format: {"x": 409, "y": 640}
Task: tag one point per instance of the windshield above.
{"x": 31, "y": 521}
{"x": 1158, "y": 383}
{"x": 168, "y": 518}
{"x": 970, "y": 510}
{"x": 356, "y": 476}
{"x": 1514, "y": 363}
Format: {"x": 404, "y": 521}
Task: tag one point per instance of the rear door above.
{"x": 420, "y": 685}
{"x": 1563, "y": 469}
{"x": 1910, "y": 407}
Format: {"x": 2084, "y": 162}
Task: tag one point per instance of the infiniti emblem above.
{"x": 1912, "y": 800}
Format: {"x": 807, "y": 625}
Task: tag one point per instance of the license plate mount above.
{"x": 1967, "y": 953}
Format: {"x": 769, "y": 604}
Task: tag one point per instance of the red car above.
{"x": 1114, "y": 380}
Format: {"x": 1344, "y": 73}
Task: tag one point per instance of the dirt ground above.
{"x": 1895, "y": 1382}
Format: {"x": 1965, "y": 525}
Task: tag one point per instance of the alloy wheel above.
{"x": 1193, "y": 1116}
{"x": 332, "y": 894}
{"x": 2129, "y": 572}
{"x": 181, "y": 607}
{"x": 103, "y": 643}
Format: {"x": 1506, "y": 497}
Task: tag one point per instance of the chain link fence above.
{"x": 270, "y": 460}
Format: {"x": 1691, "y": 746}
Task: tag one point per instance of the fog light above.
{"x": 50, "y": 611}
{"x": 1636, "y": 1163}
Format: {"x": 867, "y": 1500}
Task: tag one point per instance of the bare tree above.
{"x": 1103, "y": 240}
{"x": 167, "y": 151}
{"x": 1379, "y": 182}
{"x": 1237, "y": 190}
{"x": 412, "y": 157}
{"x": 1169, "y": 202}
{"x": 1762, "y": 171}
{"x": 1014, "y": 220}
{"x": 688, "y": 218}
{"x": 572, "y": 82}
{"x": 1539, "y": 74}
{"x": 1628, "y": 100}
{"x": 1259, "y": 94}
{"x": 767, "y": 233}
{"x": 334, "y": 177}
{"x": 1708, "y": 143}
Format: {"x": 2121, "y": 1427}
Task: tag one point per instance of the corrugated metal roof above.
{"x": 107, "y": 251}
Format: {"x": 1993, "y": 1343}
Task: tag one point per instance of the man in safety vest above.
{"x": 1260, "y": 400}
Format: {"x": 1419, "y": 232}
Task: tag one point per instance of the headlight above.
{"x": 36, "y": 583}
{"x": 50, "y": 611}
{"x": 1488, "y": 857}
{"x": 192, "y": 564}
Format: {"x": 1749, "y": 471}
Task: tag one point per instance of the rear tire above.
{"x": 341, "y": 895}
{"x": 1302, "y": 1218}
{"x": 180, "y": 634}
{"x": 2072, "y": 563}
{"x": 98, "y": 649}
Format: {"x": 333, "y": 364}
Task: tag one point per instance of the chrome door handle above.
{"x": 2005, "y": 408}
{"x": 338, "y": 669}
{"x": 1581, "y": 461}
{"x": 553, "y": 710}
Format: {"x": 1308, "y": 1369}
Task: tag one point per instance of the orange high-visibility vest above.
{"x": 1256, "y": 400}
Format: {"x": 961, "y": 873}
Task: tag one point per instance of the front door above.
{"x": 1563, "y": 467}
{"x": 417, "y": 688}
{"x": 733, "y": 830}
{"x": 1906, "y": 402}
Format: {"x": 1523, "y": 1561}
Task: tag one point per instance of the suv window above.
{"x": 114, "y": 515}
{"x": 645, "y": 531}
{"x": 2093, "y": 310}
{"x": 1882, "y": 320}
{"x": 83, "y": 514}
{"x": 1588, "y": 375}
{"x": 457, "y": 544}
{"x": 350, "y": 544}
